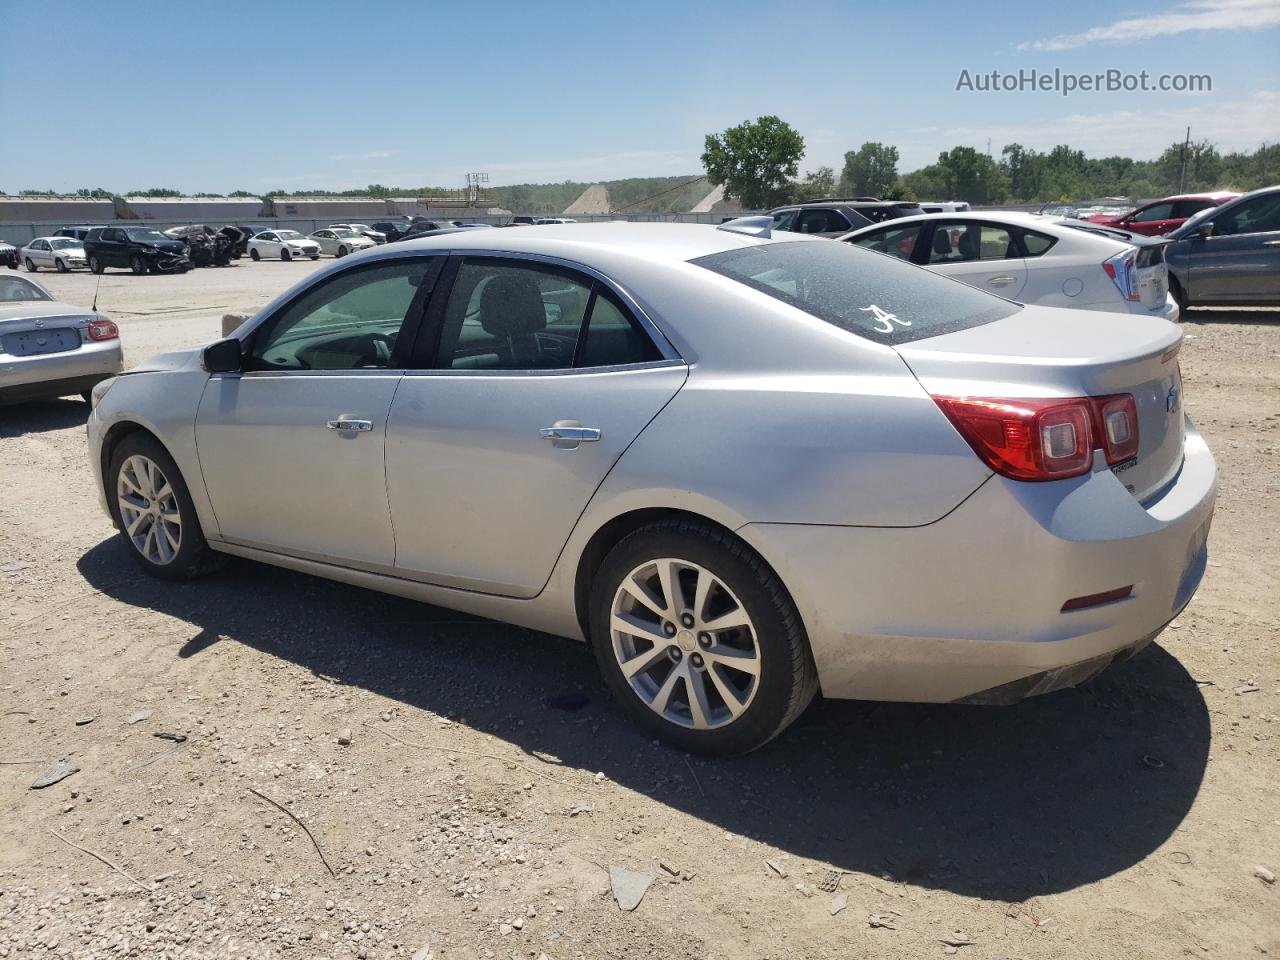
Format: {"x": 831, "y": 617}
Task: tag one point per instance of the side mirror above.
{"x": 1204, "y": 230}
{"x": 222, "y": 357}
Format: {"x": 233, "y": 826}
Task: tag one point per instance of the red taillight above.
{"x": 1123, "y": 271}
{"x": 103, "y": 329}
{"x": 1045, "y": 438}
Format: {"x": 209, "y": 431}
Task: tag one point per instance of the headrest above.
{"x": 511, "y": 305}
{"x": 941, "y": 242}
{"x": 969, "y": 244}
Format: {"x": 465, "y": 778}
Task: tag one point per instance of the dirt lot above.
{"x": 489, "y": 784}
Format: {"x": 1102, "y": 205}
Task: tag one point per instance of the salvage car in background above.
{"x": 1033, "y": 259}
{"x": 207, "y": 247}
{"x": 377, "y": 236}
{"x": 834, "y": 217}
{"x": 1163, "y": 216}
{"x": 140, "y": 249}
{"x": 8, "y": 255}
{"x": 54, "y": 253}
{"x": 285, "y": 244}
{"x": 51, "y": 349}
{"x": 512, "y": 423}
{"x": 339, "y": 241}
{"x": 1229, "y": 254}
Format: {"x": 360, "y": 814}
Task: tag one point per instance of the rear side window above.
{"x": 1036, "y": 243}
{"x": 875, "y": 297}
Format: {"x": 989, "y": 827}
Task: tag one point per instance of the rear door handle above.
{"x": 348, "y": 423}
{"x": 567, "y": 434}
{"x": 1001, "y": 281}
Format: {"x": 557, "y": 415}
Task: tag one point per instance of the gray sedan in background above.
{"x": 1229, "y": 255}
{"x": 51, "y": 349}
{"x": 741, "y": 464}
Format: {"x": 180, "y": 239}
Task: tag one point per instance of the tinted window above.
{"x": 881, "y": 299}
{"x": 895, "y": 241}
{"x": 1158, "y": 211}
{"x": 15, "y": 289}
{"x": 349, "y": 322}
{"x": 113, "y": 235}
{"x": 612, "y": 336}
{"x": 962, "y": 241}
{"x": 785, "y": 219}
{"x": 1186, "y": 208}
{"x": 822, "y": 221}
{"x": 1259, "y": 215}
{"x": 1036, "y": 243}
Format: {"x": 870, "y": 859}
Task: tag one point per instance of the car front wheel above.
{"x": 285, "y": 254}
{"x": 95, "y": 265}
{"x": 60, "y": 266}
{"x": 698, "y": 638}
{"x": 254, "y": 255}
{"x": 152, "y": 508}
{"x": 31, "y": 267}
{"x": 138, "y": 265}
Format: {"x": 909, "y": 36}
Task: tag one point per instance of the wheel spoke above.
{"x": 668, "y": 577}
{"x": 149, "y": 547}
{"x": 700, "y": 593}
{"x": 641, "y": 592}
{"x": 633, "y": 626}
{"x": 129, "y": 480}
{"x": 727, "y": 621}
{"x": 643, "y": 662}
{"x": 131, "y": 524}
{"x": 663, "y": 696}
{"x": 744, "y": 661}
{"x": 695, "y": 686}
{"x": 730, "y": 696}
{"x": 169, "y": 537}
{"x": 164, "y": 493}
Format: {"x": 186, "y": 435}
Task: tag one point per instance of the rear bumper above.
{"x": 970, "y": 607}
{"x": 58, "y": 374}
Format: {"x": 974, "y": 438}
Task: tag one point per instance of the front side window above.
{"x": 895, "y": 241}
{"x": 1157, "y": 211}
{"x": 349, "y": 322}
{"x": 505, "y": 315}
{"x": 874, "y": 297}
{"x": 1189, "y": 208}
{"x": 1259, "y": 215}
{"x": 822, "y": 221}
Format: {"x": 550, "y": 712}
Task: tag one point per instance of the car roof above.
{"x": 670, "y": 242}
{"x": 1048, "y": 223}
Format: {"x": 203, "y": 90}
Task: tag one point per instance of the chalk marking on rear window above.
{"x": 883, "y": 316}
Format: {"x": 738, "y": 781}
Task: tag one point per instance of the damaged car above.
{"x": 207, "y": 247}
{"x": 140, "y": 249}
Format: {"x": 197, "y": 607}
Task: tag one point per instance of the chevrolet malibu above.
{"x": 743, "y": 465}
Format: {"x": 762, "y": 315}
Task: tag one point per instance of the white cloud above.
{"x": 1141, "y": 134}
{"x": 371, "y": 155}
{"x": 1196, "y": 15}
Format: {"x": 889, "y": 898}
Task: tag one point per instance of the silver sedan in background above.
{"x": 742, "y": 465}
{"x": 51, "y": 349}
{"x": 54, "y": 253}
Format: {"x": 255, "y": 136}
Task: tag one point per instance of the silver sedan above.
{"x": 742, "y": 466}
{"x": 53, "y": 253}
{"x": 51, "y": 349}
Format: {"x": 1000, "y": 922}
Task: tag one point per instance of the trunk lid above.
{"x": 1052, "y": 352}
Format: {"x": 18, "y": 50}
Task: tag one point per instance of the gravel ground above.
{"x": 363, "y": 776}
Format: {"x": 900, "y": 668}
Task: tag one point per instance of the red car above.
{"x": 1163, "y": 216}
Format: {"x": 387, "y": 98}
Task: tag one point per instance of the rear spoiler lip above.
{"x": 1126, "y": 236}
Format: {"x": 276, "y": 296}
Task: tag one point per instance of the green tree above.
{"x": 755, "y": 161}
{"x": 815, "y": 185}
{"x": 969, "y": 175}
{"x": 870, "y": 171}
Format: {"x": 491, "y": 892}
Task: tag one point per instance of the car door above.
{"x": 983, "y": 255}
{"x": 1151, "y": 220}
{"x": 542, "y": 376}
{"x": 115, "y": 245}
{"x": 40, "y": 253}
{"x": 1239, "y": 262}
{"x": 268, "y": 245}
{"x": 325, "y": 238}
{"x": 291, "y": 448}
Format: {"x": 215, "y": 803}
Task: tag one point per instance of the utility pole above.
{"x": 1182, "y": 178}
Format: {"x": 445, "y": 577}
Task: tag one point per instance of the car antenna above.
{"x": 94, "y": 308}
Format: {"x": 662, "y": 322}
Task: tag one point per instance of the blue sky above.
{"x": 335, "y": 95}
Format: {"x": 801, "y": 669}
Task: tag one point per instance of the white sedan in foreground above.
{"x": 1051, "y": 261}
{"x": 742, "y": 465}
{"x": 285, "y": 244}
{"x": 339, "y": 241}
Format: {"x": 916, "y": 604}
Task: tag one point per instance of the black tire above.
{"x": 1179, "y": 295}
{"x": 253, "y": 255}
{"x": 95, "y": 265}
{"x": 137, "y": 265}
{"x": 31, "y": 267}
{"x": 315, "y": 256}
{"x": 285, "y": 254}
{"x": 60, "y": 266}
{"x": 342, "y": 251}
{"x": 788, "y": 678}
{"x": 193, "y": 557}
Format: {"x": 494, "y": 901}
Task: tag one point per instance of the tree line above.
{"x": 758, "y": 163}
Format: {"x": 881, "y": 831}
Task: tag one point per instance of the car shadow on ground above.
{"x": 1255, "y": 315}
{"x": 41, "y": 416}
{"x": 1002, "y": 803}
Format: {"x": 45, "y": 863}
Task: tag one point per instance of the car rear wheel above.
{"x": 61, "y": 267}
{"x": 153, "y": 510}
{"x": 698, "y": 638}
{"x": 31, "y": 267}
{"x": 253, "y": 254}
{"x": 137, "y": 265}
{"x": 1179, "y": 295}
{"x": 285, "y": 254}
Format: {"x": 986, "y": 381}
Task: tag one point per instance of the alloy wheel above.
{"x": 685, "y": 643}
{"x": 149, "y": 510}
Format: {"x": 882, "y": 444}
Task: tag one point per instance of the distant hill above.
{"x": 636, "y": 195}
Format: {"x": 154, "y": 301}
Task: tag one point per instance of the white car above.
{"x": 339, "y": 241}
{"x": 53, "y": 253}
{"x": 285, "y": 244}
{"x": 1050, "y": 261}
{"x": 377, "y": 236}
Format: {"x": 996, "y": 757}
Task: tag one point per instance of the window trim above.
{"x": 410, "y": 328}
{"x": 426, "y": 347}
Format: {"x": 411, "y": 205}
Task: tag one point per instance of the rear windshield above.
{"x": 873, "y": 295}
{"x": 15, "y": 290}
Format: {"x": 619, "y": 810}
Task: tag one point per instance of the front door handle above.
{"x": 567, "y": 434}
{"x": 1272, "y": 243}
{"x": 1001, "y": 281}
{"x": 349, "y": 423}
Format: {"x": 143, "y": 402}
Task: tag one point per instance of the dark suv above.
{"x": 835, "y": 216}
{"x": 141, "y": 249}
